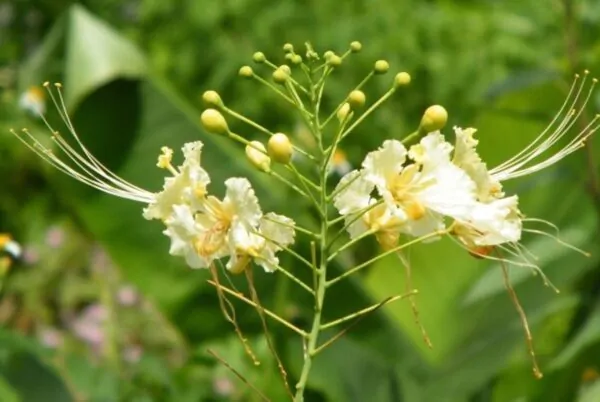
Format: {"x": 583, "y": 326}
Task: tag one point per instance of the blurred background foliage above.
{"x": 96, "y": 310}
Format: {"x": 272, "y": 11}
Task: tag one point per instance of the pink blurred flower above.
{"x": 51, "y": 337}
{"x": 223, "y": 386}
{"x": 127, "y": 296}
{"x": 30, "y": 255}
{"x": 55, "y": 237}
{"x": 88, "y": 326}
{"x": 133, "y": 353}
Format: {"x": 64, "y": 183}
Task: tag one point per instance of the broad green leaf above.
{"x": 95, "y": 55}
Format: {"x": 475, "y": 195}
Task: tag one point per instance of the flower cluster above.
{"x": 417, "y": 190}
{"x": 203, "y": 228}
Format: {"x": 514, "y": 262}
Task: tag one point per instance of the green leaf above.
{"x": 96, "y": 55}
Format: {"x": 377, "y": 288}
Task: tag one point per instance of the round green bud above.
{"x": 335, "y": 61}
{"x": 381, "y": 67}
{"x": 328, "y": 54}
{"x": 401, "y": 79}
{"x": 343, "y": 112}
{"x": 259, "y": 57}
{"x": 297, "y": 59}
{"x": 246, "y": 72}
{"x": 257, "y": 155}
{"x": 280, "y": 148}
{"x": 288, "y": 48}
{"x": 286, "y": 68}
{"x": 212, "y": 98}
{"x": 357, "y": 99}
{"x": 434, "y": 118}
{"x": 355, "y": 47}
{"x": 213, "y": 121}
{"x": 289, "y": 56}
{"x": 280, "y": 76}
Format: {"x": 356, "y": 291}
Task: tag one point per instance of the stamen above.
{"x": 514, "y": 167}
{"x": 86, "y": 168}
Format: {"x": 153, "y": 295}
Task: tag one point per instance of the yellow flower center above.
{"x": 213, "y": 239}
{"x": 404, "y": 188}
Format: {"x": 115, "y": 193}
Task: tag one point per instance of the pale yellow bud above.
{"x": 381, "y": 67}
{"x": 328, "y": 54}
{"x": 343, "y": 112}
{"x": 259, "y": 57}
{"x": 257, "y": 154}
{"x": 401, "y": 79}
{"x": 246, "y": 72}
{"x": 357, "y": 99}
{"x": 280, "y": 76}
{"x": 355, "y": 47}
{"x": 213, "y": 121}
{"x": 334, "y": 61}
{"x": 280, "y": 148}
{"x": 434, "y": 118}
{"x": 286, "y": 68}
{"x": 288, "y": 48}
{"x": 297, "y": 59}
{"x": 212, "y": 98}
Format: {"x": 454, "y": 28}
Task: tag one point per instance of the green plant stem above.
{"x": 383, "y": 255}
{"x": 262, "y": 129}
{"x": 321, "y": 271}
{"x": 368, "y": 112}
{"x": 410, "y": 137}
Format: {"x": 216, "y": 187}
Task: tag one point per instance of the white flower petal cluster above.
{"x": 203, "y": 228}
{"x": 415, "y": 191}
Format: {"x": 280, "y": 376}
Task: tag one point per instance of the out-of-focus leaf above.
{"x": 95, "y": 55}
{"x": 590, "y": 393}
{"x": 588, "y": 335}
{"x": 8, "y": 393}
{"x": 348, "y": 371}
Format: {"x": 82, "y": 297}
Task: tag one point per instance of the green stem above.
{"x": 383, "y": 255}
{"x": 368, "y": 112}
{"x": 321, "y": 271}
{"x": 410, "y": 137}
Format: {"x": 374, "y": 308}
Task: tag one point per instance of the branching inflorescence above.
{"x": 400, "y": 195}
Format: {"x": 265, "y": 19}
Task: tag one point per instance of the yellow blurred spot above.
{"x": 590, "y": 374}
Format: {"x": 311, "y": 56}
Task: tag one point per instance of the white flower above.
{"x": 274, "y": 233}
{"x": 491, "y": 224}
{"x": 421, "y": 193}
{"x": 187, "y": 186}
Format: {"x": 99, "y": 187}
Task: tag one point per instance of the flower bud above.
{"x": 286, "y": 68}
{"x": 297, "y": 59}
{"x": 434, "y": 118}
{"x": 355, "y": 47}
{"x": 246, "y": 72}
{"x": 280, "y": 76}
{"x": 343, "y": 112}
{"x": 381, "y": 67}
{"x": 356, "y": 99}
{"x": 328, "y": 54}
{"x": 257, "y": 154}
{"x": 288, "y": 48}
{"x": 280, "y": 148}
{"x": 334, "y": 61}
{"x": 213, "y": 121}
{"x": 401, "y": 79}
{"x": 212, "y": 98}
{"x": 259, "y": 57}
{"x": 289, "y": 56}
